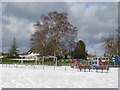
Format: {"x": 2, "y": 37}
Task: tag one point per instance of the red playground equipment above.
{"x": 74, "y": 61}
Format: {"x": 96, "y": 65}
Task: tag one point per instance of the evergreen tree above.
{"x": 13, "y": 52}
{"x": 80, "y": 50}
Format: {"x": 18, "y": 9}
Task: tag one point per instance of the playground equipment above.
{"x": 76, "y": 62}
{"x": 116, "y": 60}
{"x": 49, "y": 57}
{"x": 97, "y": 63}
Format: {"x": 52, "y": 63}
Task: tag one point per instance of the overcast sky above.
{"x": 93, "y": 20}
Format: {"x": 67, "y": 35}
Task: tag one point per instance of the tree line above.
{"x": 56, "y": 36}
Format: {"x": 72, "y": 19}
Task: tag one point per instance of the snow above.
{"x": 56, "y": 77}
{"x": 0, "y": 78}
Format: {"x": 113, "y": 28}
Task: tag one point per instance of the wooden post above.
{"x": 43, "y": 61}
{"x": 56, "y": 61}
{"x": 21, "y": 61}
{"x": 65, "y": 65}
{"x": 36, "y": 60}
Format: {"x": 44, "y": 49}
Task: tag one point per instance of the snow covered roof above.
{"x": 34, "y": 54}
{"x": 29, "y": 55}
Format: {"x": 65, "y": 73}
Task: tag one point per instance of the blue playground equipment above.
{"x": 116, "y": 59}
{"x": 95, "y": 63}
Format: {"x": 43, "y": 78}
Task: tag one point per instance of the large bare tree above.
{"x": 53, "y": 34}
{"x": 110, "y": 44}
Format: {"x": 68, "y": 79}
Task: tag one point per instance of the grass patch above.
{"x": 13, "y": 61}
{"x": 60, "y": 62}
{"x": 9, "y": 60}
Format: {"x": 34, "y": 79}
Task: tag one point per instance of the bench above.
{"x": 105, "y": 67}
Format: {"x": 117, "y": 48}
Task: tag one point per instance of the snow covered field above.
{"x": 36, "y": 77}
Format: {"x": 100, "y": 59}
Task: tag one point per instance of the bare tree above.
{"x": 110, "y": 44}
{"x": 53, "y": 33}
